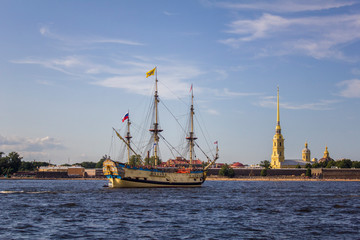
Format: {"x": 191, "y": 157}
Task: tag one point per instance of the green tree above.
{"x": 224, "y": 170}
{"x": 265, "y": 164}
{"x": 231, "y": 173}
{"x": 263, "y": 172}
{"x": 344, "y": 163}
{"x": 88, "y": 164}
{"x": 14, "y": 162}
{"x": 68, "y": 165}
{"x": 26, "y": 166}
{"x": 40, "y": 164}
{"x": 330, "y": 164}
{"x": 355, "y": 164}
{"x": 135, "y": 160}
{"x": 10, "y": 164}
{"x": 308, "y": 165}
{"x": 151, "y": 161}
{"x": 227, "y": 171}
{"x": 308, "y": 172}
{"x": 316, "y": 165}
{"x": 298, "y": 166}
{"x": 4, "y": 165}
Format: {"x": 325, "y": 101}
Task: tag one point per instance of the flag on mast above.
{"x": 190, "y": 88}
{"x": 151, "y": 72}
{"x": 126, "y": 116}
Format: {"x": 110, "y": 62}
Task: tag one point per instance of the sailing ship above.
{"x": 130, "y": 175}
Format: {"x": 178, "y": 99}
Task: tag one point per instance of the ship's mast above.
{"x": 191, "y": 137}
{"x": 128, "y": 138}
{"x": 156, "y": 128}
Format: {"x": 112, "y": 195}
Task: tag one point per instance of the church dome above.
{"x": 306, "y": 148}
{"x": 326, "y": 157}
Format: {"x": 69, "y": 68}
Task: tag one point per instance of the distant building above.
{"x": 218, "y": 165}
{"x": 94, "y": 173}
{"x": 61, "y": 171}
{"x": 237, "y": 165}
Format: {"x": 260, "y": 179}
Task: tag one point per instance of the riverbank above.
{"x": 34, "y": 178}
{"x": 211, "y": 178}
{"x": 276, "y": 179}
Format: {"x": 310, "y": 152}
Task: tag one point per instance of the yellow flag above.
{"x": 151, "y": 72}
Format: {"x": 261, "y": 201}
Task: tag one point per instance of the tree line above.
{"x": 13, "y": 163}
{"x": 342, "y": 163}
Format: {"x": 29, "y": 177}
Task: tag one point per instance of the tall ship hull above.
{"x": 125, "y": 176}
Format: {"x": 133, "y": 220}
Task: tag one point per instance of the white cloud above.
{"x": 287, "y": 5}
{"x": 31, "y": 145}
{"x": 167, "y": 13}
{"x": 174, "y": 80}
{"x": 270, "y": 102}
{"x": 213, "y": 112}
{"x": 319, "y": 37}
{"x": 258, "y": 28}
{"x": 351, "y": 88}
{"x": 226, "y": 93}
{"x": 76, "y": 41}
{"x": 110, "y": 40}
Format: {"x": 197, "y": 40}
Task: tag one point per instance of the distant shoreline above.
{"x": 274, "y": 179}
{"x": 268, "y": 179}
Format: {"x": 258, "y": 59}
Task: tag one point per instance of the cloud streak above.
{"x": 34, "y": 147}
{"x": 288, "y": 5}
{"x": 350, "y": 88}
{"x": 315, "y": 36}
{"x": 270, "y": 102}
{"x": 45, "y": 31}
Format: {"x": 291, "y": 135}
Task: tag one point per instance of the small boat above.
{"x": 130, "y": 175}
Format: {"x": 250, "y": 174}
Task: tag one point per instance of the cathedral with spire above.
{"x": 278, "y": 150}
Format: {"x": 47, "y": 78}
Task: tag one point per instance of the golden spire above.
{"x": 278, "y": 111}
{"x": 306, "y": 144}
{"x": 278, "y": 128}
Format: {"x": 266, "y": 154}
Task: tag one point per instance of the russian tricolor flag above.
{"x": 125, "y": 117}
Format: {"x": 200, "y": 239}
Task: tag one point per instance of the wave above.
{"x": 25, "y": 192}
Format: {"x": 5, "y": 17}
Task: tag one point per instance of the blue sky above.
{"x": 69, "y": 70}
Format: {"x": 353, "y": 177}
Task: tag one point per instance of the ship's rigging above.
{"x": 150, "y": 147}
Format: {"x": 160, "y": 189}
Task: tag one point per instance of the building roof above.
{"x": 327, "y": 159}
{"x": 294, "y": 162}
{"x": 237, "y": 165}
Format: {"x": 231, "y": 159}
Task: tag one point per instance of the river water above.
{"x": 84, "y": 209}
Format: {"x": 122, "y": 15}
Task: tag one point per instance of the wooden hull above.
{"x": 122, "y": 176}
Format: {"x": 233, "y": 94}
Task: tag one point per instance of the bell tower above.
{"x": 278, "y": 153}
{"x": 306, "y": 153}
